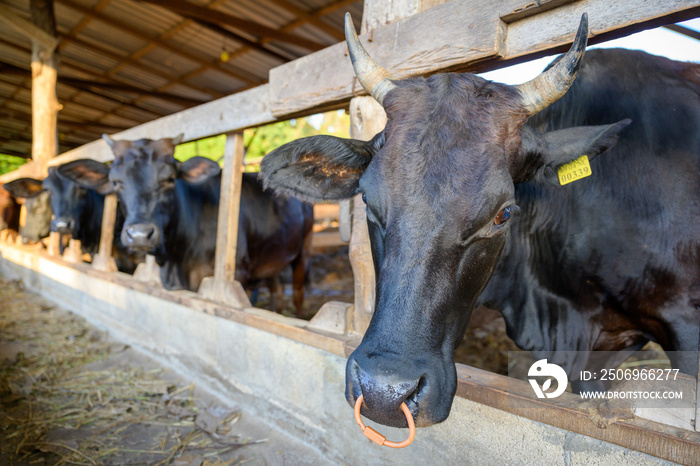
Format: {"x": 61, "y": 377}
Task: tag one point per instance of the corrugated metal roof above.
{"x": 125, "y": 62}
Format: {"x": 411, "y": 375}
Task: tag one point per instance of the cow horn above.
{"x": 553, "y": 83}
{"x": 374, "y": 78}
{"x": 108, "y": 139}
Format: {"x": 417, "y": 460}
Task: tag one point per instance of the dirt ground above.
{"x": 71, "y": 395}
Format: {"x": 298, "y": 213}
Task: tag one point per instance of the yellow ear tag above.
{"x": 572, "y": 171}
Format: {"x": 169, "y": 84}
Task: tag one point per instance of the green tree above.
{"x": 259, "y": 141}
{"x": 10, "y": 163}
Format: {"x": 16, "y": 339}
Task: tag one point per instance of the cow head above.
{"x": 438, "y": 182}
{"x": 67, "y": 199}
{"x": 9, "y": 210}
{"x": 38, "y": 207}
{"x": 143, "y": 174}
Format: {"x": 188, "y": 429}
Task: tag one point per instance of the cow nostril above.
{"x": 151, "y": 233}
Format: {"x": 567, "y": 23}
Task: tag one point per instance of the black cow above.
{"x": 37, "y": 222}
{"x": 172, "y": 208}
{"x": 77, "y": 213}
{"x": 9, "y": 210}
{"x": 612, "y": 255}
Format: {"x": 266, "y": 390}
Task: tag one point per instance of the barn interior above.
{"x": 155, "y": 68}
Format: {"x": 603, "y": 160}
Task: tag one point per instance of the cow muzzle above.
{"x": 62, "y": 225}
{"x": 141, "y": 236}
{"x": 427, "y": 386}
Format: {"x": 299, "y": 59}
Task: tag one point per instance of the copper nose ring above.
{"x": 378, "y": 438}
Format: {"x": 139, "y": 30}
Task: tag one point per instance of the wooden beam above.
{"x": 460, "y": 31}
{"x": 27, "y": 28}
{"x": 87, "y": 85}
{"x": 531, "y": 9}
{"x": 458, "y": 36}
{"x": 190, "y": 10}
{"x": 84, "y": 84}
{"x": 238, "y": 38}
{"x": 241, "y": 110}
{"x": 238, "y": 74}
{"x": 130, "y": 62}
{"x": 692, "y": 33}
{"x": 306, "y": 17}
{"x": 151, "y": 113}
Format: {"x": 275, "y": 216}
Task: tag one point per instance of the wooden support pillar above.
{"x": 345, "y": 219}
{"x": 45, "y": 104}
{"x": 54, "y": 244}
{"x": 367, "y": 118}
{"x": 103, "y": 260}
{"x": 148, "y": 271}
{"x": 74, "y": 252}
{"x": 697, "y": 393}
{"x": 223, "y": 287}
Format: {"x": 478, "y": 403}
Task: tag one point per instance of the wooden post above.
{"x": 54, "y": 244}
{"x": 103, "y": 260}
{"x": 345, "y": 219}
{"x": 697, "y": 393}
{"x": 74, "y": 252}
{"x": 148, "y": 271}
{"x": 367, "y": 118}
{"x": 223, "y": 287}
{"x": 45, "y": 104}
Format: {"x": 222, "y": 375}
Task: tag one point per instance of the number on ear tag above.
{"x": 572, "y": 171}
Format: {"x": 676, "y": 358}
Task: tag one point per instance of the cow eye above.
{"x": 503, "y": 216}
{"x": 364, "y": 198}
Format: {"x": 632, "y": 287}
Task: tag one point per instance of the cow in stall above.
{"x": 607, "y": 262}
{"x": 171, "y": 211}
{"x": 9, "y": 211}
{"x": 37, "y": 221}
{"x": 77, "y": 213}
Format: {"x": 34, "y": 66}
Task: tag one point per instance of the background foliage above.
{"x": 10, "y": 163}
{"x": 259, "y": 141}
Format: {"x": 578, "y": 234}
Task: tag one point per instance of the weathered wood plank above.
{"x": 367, "y": 118}
{"x": 532, "y": 8}
{"x": 45, "y": 104}
{"x": 231, "y": 113}
{"x": 437, "y": 39}
{"x": 223, "y": 287}
{"x": 567, "y": 412}
{"x": 459, "y": 35}
{"x": 103, "y": 260}
{"x": 556, "y": 27}
{"x": 15, "y": 22}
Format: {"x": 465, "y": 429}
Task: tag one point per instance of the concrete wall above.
{"x": 297, "y": 387}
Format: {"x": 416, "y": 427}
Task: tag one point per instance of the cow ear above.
{"x": 89, "y": 174}
{"x": 319, "y": 168}
{"x": 541, "y": 154}
{"x": 197, "y": 169}
{"x": 24, "y": 187}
